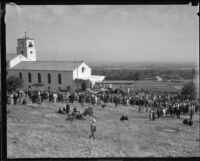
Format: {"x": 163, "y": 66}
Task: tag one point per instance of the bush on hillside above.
{"x": 14, "y": 83}
{"x": 88, "y": 111}
{"x": 188, "y": 90}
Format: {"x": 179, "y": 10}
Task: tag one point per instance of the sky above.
{"x": 107, "y": 33}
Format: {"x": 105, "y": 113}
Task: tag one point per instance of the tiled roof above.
{"x": 10, "y": 56}
{"x": 48, "y": 65}
{"x": 27, "y": 38}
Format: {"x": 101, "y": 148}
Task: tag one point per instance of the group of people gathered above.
{"x": 160, "y": 103}
{"x": 156, "y": 103}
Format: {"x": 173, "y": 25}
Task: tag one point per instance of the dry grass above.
{"x": 39, "y": 131}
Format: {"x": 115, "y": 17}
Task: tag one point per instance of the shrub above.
{"x": 188, "y": 90}
{"x": 14, "y": 83}
{"x": 88, "y": 111}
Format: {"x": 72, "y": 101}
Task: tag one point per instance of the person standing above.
{"x": 39, "y": 98}
{"x": 158, "y": 112}
{"x": 50, "y": 96}
{"x": 82, "y": 102}
{"x": 164, "y": 112}
{"x": 150, "y": 114}
{"x": 15, "y": 98}
{"x": 67, "y": 108}
{"x": 11, "y": 99}
{"x": 95, "y": 99}
{"x": 153, "y": 114}
{"x": 178, "y": 111}
{"x": 55, "y": 97}
{"x": 93, "y": 128}
{"x": 192, "y": 111}
{"x": 115, "y": 101}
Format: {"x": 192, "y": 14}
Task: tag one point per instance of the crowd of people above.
{"x": 156, "y": 103}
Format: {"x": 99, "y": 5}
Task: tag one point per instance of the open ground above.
{"x": 148, "y": 84}
{"x": 39, "y": 131}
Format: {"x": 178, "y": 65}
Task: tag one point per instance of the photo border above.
{"x": 3, "y": 138}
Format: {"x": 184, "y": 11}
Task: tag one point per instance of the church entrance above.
{"x": 83, "y": 86}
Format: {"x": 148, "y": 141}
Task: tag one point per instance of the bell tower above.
{"x": 26, "y": 47}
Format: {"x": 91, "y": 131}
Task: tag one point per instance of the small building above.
{"x": 48, "y": 75}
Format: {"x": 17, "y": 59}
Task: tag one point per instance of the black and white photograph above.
{"x": 102, "y": 81}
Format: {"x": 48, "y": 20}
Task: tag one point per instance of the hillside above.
{"x": 39, "y": 131}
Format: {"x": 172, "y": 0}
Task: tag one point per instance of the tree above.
{"x": 189, "y": 90}
{"x": 13, "y": 83}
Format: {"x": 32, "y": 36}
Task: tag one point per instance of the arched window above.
{"x": 29, "y": 77}
{"x": 30, "y": 44}
{"x": 68, "y": 88}
{"x": 59, "y": 79}
{"x": 39, "y": 78}
{"x": 20, "y": 75}
{"x": 83, "y": 69}
{"x": 49, "y": 78}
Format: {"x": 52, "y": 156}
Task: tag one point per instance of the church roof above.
{"x": 10, "y": 56}
{"x": 48, "y": 65}
{"x": 27, "y": 38}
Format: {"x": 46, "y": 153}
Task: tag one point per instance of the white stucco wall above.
{"x": 77, "y": 73}
{"x": 16, "y": 60}
{"x": 29, "y": 52}
{"x": 66, "y": 79}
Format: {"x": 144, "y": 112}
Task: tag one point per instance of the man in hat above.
{"x": 93, "y": 128}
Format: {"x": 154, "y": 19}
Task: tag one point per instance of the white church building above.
{"x": 48, "y": 75}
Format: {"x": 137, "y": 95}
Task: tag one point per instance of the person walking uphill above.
{"x": 93, "y": 128}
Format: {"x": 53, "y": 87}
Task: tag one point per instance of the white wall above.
{"x": 66, "y": 79}
{"x": 31, "y": 56}
{"x": 77, "y": 73}
{"x": 17, "y": 60}
{"x": 26, "y": 49}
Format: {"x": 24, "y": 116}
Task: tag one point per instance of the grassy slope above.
{"x": 35, "y": 131}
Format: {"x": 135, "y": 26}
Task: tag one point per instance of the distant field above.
{"x": 39, "y": 131}
{"x": 147, "y": 84}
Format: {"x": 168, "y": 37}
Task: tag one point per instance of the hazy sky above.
{"x": 107, "y": 33}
